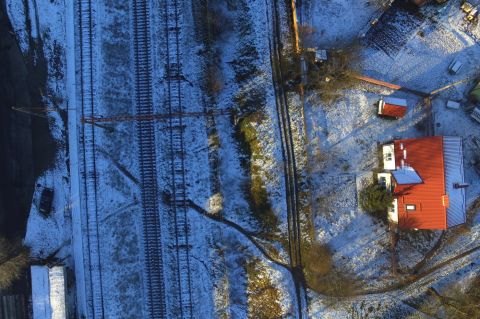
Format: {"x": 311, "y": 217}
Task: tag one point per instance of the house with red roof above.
{"x": 427, "y": 180}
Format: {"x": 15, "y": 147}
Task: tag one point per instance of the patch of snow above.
{"x": 17, "y": 16}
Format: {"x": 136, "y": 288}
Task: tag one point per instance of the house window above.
{"x": 411, "y": 207}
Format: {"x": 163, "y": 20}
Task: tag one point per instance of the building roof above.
{"x": 406, "y": 175}
{"x": 453, "y": 158}
{"x": 48, "y": 292}
{"x": 436, "y": 203}
{"x": 394, "y": 110}
{"x": 425, "y": 155}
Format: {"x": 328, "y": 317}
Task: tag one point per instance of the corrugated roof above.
{"x": 425, "y": 155}
{"x": 395, "y": 101}
{"x": 48, "y": 292}
{"x": 453, "y": 157}
{"x": 394, "y": 110}
{"x": 40, "y": 292}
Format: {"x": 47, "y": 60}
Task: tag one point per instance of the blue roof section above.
{"x": 453, "y": 158}
{"x": 406, "y": 175}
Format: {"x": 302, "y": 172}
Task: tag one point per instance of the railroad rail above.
{"x": 178, "y": 203}
{"x": 152, "y": 239}
{"x": 288, "y": 156}
{"x": 95, "y": 300}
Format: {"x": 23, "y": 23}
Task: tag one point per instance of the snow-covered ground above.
{"x": 68, "y": 230}
{"x": 337, "y": 22}
{"x": 344, "y": 139}
{"x": 50, "y": 238}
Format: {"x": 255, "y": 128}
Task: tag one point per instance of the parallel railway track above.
{"x": 176, "y": 125}
{"x": 95, "y": 300}
{"x": 288, "y": 156}
{"x": 152, "y": 239}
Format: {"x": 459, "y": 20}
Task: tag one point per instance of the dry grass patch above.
{"x": 255, "y": 188}
{"x": 263, "y": 296}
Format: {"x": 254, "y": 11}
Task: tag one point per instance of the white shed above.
{"x": 48, "y": 292}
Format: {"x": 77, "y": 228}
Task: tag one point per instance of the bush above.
{"x": 320, "y": 274}
{"x": 376, "y": 200}
{"x": 317, "y": 260}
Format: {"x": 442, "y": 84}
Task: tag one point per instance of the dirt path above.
{"x": 249, "y": 235}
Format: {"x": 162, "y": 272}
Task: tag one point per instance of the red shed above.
{"x": 429, "y": 182}
{"x": 392, "y": 107}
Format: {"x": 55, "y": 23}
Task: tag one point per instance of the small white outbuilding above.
{"x": 48, "y": 292}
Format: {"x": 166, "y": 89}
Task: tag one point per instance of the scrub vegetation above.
{"x": 250, "y": 101}
{"x": 331, "y": 77}
{"x": 263, "y": 296}
{"x": 255, "y": 187}
{"x": 322, "y": 276}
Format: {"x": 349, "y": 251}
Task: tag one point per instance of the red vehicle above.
{"x": 392, "y": 107}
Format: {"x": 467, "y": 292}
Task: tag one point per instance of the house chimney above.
{"x": 460, "y": 185}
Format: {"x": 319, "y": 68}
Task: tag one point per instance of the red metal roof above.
{"x": 425, "y": 155}
{"x": 394, "y": 110}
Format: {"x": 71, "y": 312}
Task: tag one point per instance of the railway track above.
{"x": 176, "y": 126}
{"x": 288, "y": 156}
{"x": 95, "y": 302}
{"x": 152, "y": 239}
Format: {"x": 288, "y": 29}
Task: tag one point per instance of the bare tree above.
{"x": 13, "y": 260}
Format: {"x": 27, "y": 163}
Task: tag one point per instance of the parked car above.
{"x": 46, "y": 199}
{"x": 454, "y": 67}
{"x": 475, "y": 114}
